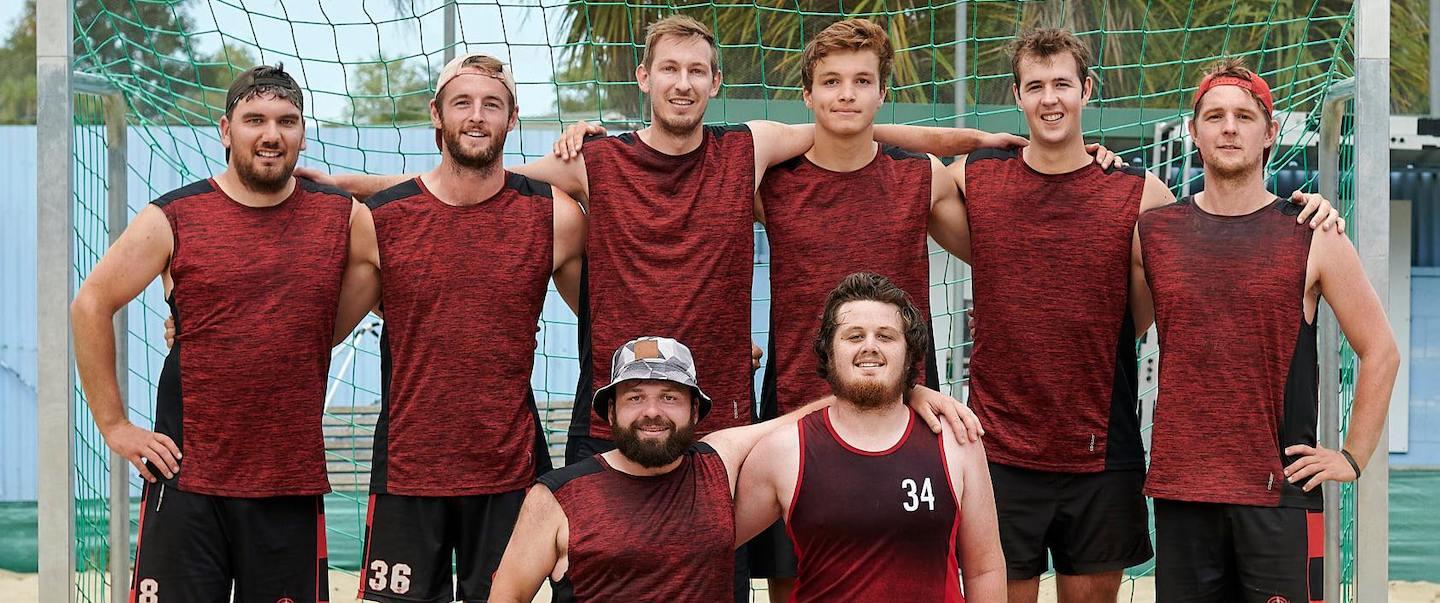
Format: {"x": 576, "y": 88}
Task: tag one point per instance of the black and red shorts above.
{"x": 197, "y": 548}
{"x": 1222, "y": 552}
{"x": 410, "y": 542}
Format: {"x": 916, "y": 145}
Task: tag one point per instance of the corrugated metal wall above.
{"x": 17, "y": 314}
{"x": 158, "y": 156}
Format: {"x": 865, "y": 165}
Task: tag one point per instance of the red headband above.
{"x": 1256, "y": 85}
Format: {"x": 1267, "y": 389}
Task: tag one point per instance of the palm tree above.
{"x": 1149, "y": 51}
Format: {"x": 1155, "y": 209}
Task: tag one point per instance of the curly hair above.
{"x": 868, "y": 286}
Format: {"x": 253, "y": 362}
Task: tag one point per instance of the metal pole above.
{"x": 955, "y": 292}
{"x": 1332, "y": 114}
{"x": 1434, "y": 57}
{"x": 119, "y": 210}
{"x": 449, "y": 30}
{"x": 1372, "y": 189}
{"x": 962, "y": 33}
{"x": 55, "y": 374}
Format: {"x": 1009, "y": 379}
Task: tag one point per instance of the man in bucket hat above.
{"x": 654, "y": 518}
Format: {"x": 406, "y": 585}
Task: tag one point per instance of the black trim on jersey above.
{"x": 199, "y": 187}
{"x": 555, "y": 480}
{"x": 718, "y": 131}
{"x": 379, "y": 459}
{"x": 169, "y": 402}
{"x": 1129, "y": 170}
{"x": 1288, "y": 208}
{"x": 1124, "y": 448}
{"x": 1298, "y": 419}
{"x": 543, "y": 464}
{"x": 585, "y": 385}
{"x": 900, "y": 154}
{"x": 528, "y": 186}
{"x": 404, "y": 190}
{"x": 311, "y": 186}
{"x": 769, "y": 406}
{"x": 987, "y": 153}
{"x": 562, "y": 591}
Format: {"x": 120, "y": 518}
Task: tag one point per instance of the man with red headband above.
{"x": 1235, "y": 469}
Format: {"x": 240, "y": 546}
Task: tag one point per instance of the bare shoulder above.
{"x": 778, "y": 446}
{"x": 1155, "y": 194}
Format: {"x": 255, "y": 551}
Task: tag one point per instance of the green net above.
{"x": 368, "y": 67}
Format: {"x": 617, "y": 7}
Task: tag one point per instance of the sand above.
{"x": 24, "y": 588}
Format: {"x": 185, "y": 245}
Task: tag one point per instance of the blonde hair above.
{"x": 679, "y": 26}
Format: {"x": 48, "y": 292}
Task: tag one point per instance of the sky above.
{"x": 332, "y": 37}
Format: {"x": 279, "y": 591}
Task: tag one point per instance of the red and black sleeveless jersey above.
{"x": 254, "y": 298}
{"x": 824, "y": 226}
{"x": 463, "y": 290}
{"x": 873, "y": 526}
{"x": 1238, "y": 364}
{"x": 665, "y": 537}
{"x": 669, "y": 252}
{"x": 1053, "y": 374}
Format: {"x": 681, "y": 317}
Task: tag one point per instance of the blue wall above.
{"x": 153, "y": 174}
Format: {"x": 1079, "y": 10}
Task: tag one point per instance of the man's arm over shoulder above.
{"x": 536, "y": 550}
{"x": 569, "y": 176}
{"x": 982, "y": 563}
{"x": 776, "y": 142}
{"x": 771, "y": 466}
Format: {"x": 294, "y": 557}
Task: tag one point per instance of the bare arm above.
{"x": 949, "y": 224}
{"x": 361, "y": 186}
{"x": 945, "y": 142}
{"x": 758, "y": 495}
{"x": 776, "y": 142}
{"x": 734, "y": 444}
{"x": 140, "y": 254}
{"x": 1142, "y": 304}
{"x": 1340, "y": 279}
{"x": 360, "y": 290}
{"x": 982, "y": 563}
{"x": 537, "y": 549}
{"x": 569, "y": 175}
{"x": 569, "y": 248}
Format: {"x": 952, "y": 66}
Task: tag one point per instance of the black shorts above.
{"x": 579, "y": 448}
{"x": 772, "y": 555}
{"x": 197, "y": 547}
{"x": 410, "y": 542}
{"x": 1090, "y": 523}
{"x": 1219, "y": 552}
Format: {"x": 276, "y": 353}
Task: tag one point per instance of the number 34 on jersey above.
{"x": 917, "y": 495}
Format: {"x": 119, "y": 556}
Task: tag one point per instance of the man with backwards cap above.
{"x": 464, "y": 253}
{"x": 235, "y": 466}
{"x": 652, "y": 519}
{"x": 1235, "y": 469}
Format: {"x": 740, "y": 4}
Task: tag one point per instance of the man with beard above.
{"x": 459, "y": 259}
{"x": 878, "y": 510}
{"x": 653, "y": 519}
{"x": 670, "y": 210}
{"x": 252, "y": 262}
{"x": 1235, "y": 469}
{"x": 1059, "y": 300}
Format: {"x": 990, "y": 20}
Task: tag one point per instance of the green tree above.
{"x": 390, "y": 92}
{"x": 1150, "y": 51}
{"x": 17, "y": 71}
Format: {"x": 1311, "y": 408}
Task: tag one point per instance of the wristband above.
{"x": 1350, "y": 459}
